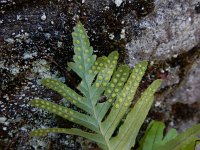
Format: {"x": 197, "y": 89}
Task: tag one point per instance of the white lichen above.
{"x": 43, "y": 17}
{"x": 9, "y": 40}
{"x": 28, "y": 55}
{"x": 3, "y": 120}
{"x": 118, "y": 2}
{"x": 59, "y": 44}
{"x": 122, "y": 35}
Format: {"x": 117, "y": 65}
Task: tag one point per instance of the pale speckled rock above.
{"x": 172, "y": 29}
{"x": 190, "y": 88}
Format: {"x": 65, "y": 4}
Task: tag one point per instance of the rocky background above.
{"x": 36, "y": 42}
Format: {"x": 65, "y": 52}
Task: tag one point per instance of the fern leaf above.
{"x": 154, "y": 136}
{"x": 73, "y": 131}
{"x": 184, "y": 139}
{"x": 66, "y": 113}
{"x": 113, "y": 90}
{"x": 135, "y": 118}
{"x": 67, "y": 93}
{"x": 124, "y": 100}
{"x": 172, "y": 133}
{"x": 83, "y": 58}
{"x": 105, "y": 67}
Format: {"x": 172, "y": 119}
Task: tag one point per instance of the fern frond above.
{"x": 100, "y": 77}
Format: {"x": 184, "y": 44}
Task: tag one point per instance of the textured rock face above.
{"x": 173, "y": 28}
{"x": 35, "y": 42}
{"x": 168, "y": 36}
{"x": 188, "y": 92}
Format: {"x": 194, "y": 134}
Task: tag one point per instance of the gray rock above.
{"x": 173, "y": 28}
{"x": 188, "y": 91}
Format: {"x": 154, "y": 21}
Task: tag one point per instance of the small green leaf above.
{"x": 171, "y": 134}
{"x": 154, "y": 136}
{"x": 184, "y": 139}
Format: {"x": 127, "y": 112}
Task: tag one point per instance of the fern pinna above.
{"x": 100, "y": 77}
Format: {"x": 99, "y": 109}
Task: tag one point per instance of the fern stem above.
{"x": 96, "y": 116}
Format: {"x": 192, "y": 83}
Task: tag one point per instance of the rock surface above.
{"x": 36, "y": 42}
{"x": 172, "y": 29}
